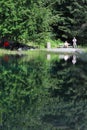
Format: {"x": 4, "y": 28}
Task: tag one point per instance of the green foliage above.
{"x": 39, "y": 20}
{"x": 72, "y": 19}
{"x": 55, "y": 43}
{"x": 24, "y": 20}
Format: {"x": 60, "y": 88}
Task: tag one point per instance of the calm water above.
{"x": 43, "y": 92}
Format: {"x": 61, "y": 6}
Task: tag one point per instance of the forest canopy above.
{"x": 39, "y": 20}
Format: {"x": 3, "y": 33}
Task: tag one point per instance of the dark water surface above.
{"x": 43, "y": 92}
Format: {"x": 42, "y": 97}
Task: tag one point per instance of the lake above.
{"x": 43, "y": 91}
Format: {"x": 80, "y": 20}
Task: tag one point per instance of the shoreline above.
{"x": 51, "y": 50}
{"x": 64, "y": 50}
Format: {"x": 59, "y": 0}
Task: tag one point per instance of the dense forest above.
{"x": 41, "y": 20}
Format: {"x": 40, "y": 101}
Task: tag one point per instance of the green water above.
{"x": 43, "y": 92}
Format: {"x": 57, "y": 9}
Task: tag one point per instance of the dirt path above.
{"x": 66, "y": 50}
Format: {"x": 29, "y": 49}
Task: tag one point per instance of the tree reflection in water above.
{"x": 41, "y": 94}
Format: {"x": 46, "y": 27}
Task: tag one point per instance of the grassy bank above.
{"x": 15, "y": 52}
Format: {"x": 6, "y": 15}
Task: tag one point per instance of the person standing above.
{"x": 74, "y": 42}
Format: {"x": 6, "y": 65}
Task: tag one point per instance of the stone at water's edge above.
{"x": 48, "y": 45}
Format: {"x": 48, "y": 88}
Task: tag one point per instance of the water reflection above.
{"x": 48, "y": 56}
{"x": 68, "y": 57}
{"x": 8, "y": 58}
{"x": 74, "y": 59}
{"x": 37, "y": 96}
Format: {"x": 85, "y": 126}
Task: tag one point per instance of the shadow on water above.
{"x": 44, "y": 92}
